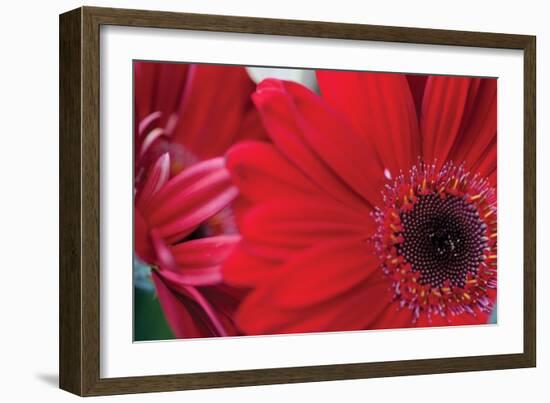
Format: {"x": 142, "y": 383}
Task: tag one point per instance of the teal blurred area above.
{"x": 142, "y": 276}
{"x": 493, "y": 318}
{"x": 149, "y": 321}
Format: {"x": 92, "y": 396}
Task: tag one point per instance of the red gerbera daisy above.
{"x": 374, "y": 206}
{"x": 184, "y": 226}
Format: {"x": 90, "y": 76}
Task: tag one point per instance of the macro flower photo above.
{"x": 276, "y": 201}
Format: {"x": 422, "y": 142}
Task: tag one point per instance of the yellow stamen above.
{"x": 477, "y": 196}
{"x": 455, "y": 184}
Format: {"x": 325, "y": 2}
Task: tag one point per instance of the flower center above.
{"x": 437, "y": 240}
{"x": 443, "y": 239}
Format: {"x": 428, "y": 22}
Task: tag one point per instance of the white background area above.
{"x": 120, "y": 357}
{"x": 29, "y": 206}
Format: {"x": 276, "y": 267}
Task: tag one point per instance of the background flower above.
{"x": 186, "y": 118}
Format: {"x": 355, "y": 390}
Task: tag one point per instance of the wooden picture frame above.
{"x": 80, "y": 199}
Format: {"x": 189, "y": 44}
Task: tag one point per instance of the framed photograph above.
{"x": 249, "y": 201}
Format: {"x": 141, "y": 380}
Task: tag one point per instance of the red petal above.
{"x": 215, "y": 104}
{"x": 318, "y": 141}
{"x": 142, "y": 243}
{"x": 393, "y": 317}
{"x": 365, "y": 304}
{"x": 464, "y": 319}
{"x": 493, "y": 178}
{"x": 144, "y": 89}
{"x": 479, "y": 128}
{"x": 353, "y": 310}
{"x": 172, "y": 78}
{"x": 434, "y": 320}
{"x": 417, "y": 84}
{"x": 251, "y": 126}
{"x": 175, "y": 311}
{"x": 487, "y": 162}
{"x": 261, "y": 172}
{"x": 245, "y": 269}
{"x": 381, "y": 108}
{"x": 158, "y": 88}
{"x": 240, "y": 208}
{"x": 289, "y": 224}
{"x": 225, "y": 300}
{"x": 214, "y": 320}
{"x": 318, "y": 274}
{"x": 444, "y": 104}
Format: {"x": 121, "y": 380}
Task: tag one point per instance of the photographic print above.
{"x": 274, "y": 201}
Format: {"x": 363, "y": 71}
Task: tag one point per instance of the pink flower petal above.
{"x": 158, "y": 175}
{"x": 162, "y": 251}
{"x": 196, "y": 277}
{"x": 204, "y": 252}
{"x": 180, "y": 227}
{"x": 186, "y": 177}
{"x": 190, "y": 195}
